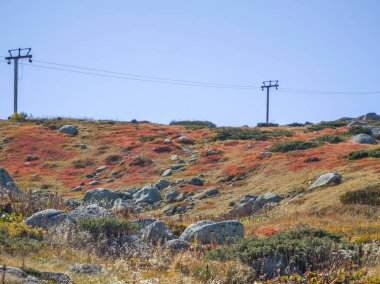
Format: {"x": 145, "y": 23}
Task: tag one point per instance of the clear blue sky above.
{"x": 317, "y": 45}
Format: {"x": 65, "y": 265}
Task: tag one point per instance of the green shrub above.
{"x": 110, "y": 228}
{"x": 187, "y": 141}
{"x": 303, "y": 246}
{"x": 327, "y": 124}
{"x": 295, "y": 124}
{"x": 331, "y": 138}
{"x": 368, "y": 196}
{"x": 194, "y": 124}
{"x": 359, "y": 130}
{"x": 360, "y": 154}
{"x": 236, "y": 133}
{"x": 263, "y": 124}
{"x": 293, "y": 145}
{"x": 151, "y": 138}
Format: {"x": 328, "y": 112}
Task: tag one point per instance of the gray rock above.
{"x": 90, "y": 211}
{"x": 101, "y": 169}
{"x": 174, "y": 157}
{"x": 176, "y": 167}
{"x": 48, "y": 218}
{"x": 101, "y": 196}
{"x": 177, "y": 245}
{"x": 162, "y": 183}
{"x": 207, "y": 232}
{"x": 167, "y": 173}
{"x": 143, "y": 222}
{"x": 6, "y": 181}
{"x": 147, "y": 194}
{"x": 94, "y": 182}
{"x": 180, "y": 197}
{"x": 156, "y": 232}
{"x": 358, "y": 123}
{"x": 248, "y": 198}
{"x": 364, "y": 139}
{"x": 120, "y": 205}
{"x": 86, "y": 268}
{"x": 375, "y": 130}
{"x": 208, "y": 193}
{"x": 197, "y": 181}
{"x": 77, "y": 188}
{"x": 54, "y": 277}
{"x": 17, "y": 275}
{"x": 327, "y": 180}
{"x": 69, "y": 129}
{"x": 172, "y": 193}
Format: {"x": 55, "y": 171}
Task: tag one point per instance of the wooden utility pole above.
{"x": 268, "y": 85}
{"x": 15, "y": 55}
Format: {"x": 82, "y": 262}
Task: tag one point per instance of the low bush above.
{"x": 194, "y": 124}
{"x": 293, "y": 145}
{"x": 327, "y": 124}
{"x": 361, "y": 154}
{"x": 20, "y": 117}
{"x": 163, "y": 149}
{"x": 331, "y": 138}
{"x": 367, "y": 196}
{"x": 302, "y": 247}
{"x": 151, "y": 138}
{"x": 107, "y": 227}
{"x": 236, "y": 133}
{"x": 187, "y": 141}
{"x": 82, "y": 163}
{"x": 263, "y": 124}
{"x": 359, "y": 130}
{"x": 295, "y": 124}
{"x": 112, "y": 159}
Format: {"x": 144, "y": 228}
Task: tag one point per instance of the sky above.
{"x": 318, "y": 45}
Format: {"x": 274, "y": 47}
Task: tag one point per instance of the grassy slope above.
{"x": 284, "y": 173}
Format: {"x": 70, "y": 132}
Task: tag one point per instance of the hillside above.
{"x": 282, "y": 160}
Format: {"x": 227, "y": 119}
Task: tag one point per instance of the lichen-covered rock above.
{"x": 86, "y": 268}
{"x": 172, "y": 193}
{"x": 48, "y": 218}
{"x": 197, "y": 181}
{"x": 327, "y": 180}
{"x": 177, "y": 245}
{"x": 157, "y": 232}
{"x": 147, "y": 194}
{"x": 101, "y": 196}
{"x": 120, "y": 205}
{"x": 69, "y": 129}
{"x": 206, "y": 232}
{"x": 162, "y": 183}
{"x": 90, "y": 211}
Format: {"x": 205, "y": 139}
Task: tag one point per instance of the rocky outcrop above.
{"x": 101, "y": 196}
{"x": 206, "y": 232}
{"x": 157, "y": 232}
{"x": 6, "y": 181}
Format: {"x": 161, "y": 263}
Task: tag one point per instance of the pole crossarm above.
{"x": 16, "y": 55}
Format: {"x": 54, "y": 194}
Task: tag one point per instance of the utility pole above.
{"x": 268, "y": 85}
{"x": 15, "y": 55}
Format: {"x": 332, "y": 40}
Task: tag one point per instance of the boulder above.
{"x": 101, "y": 169}
{"x": 264, "y": 199}
{"x": 375, "y": 131}
{"x": 176, "y": 167}
{"x": 206, "y": 232}
{"x": 167, "y": 173}
{"x": 327, "y": 180}
{"x": 197, "y": 181}
{"x": 147, "y": 194}
{"x": 363, "y": 139}
{"x": 157, "y": 232}
{"x": 172, "y": 193}
{"x": 54, "y": 277}
{"x": 120, "y": 205}
{"x": 162, "y": 183}
{"x": 69, "y": 129}
{"x": 101, "y": 196}
{"x": 90, "y": 211}
{"x": 48, "y": 218}
{"x": 11, "y": 274}
{"x": 6, "y": 181}
{"x": 247, "y": 198}
{"x": 208, "y": 193}
{"x": 371, "y": 116}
